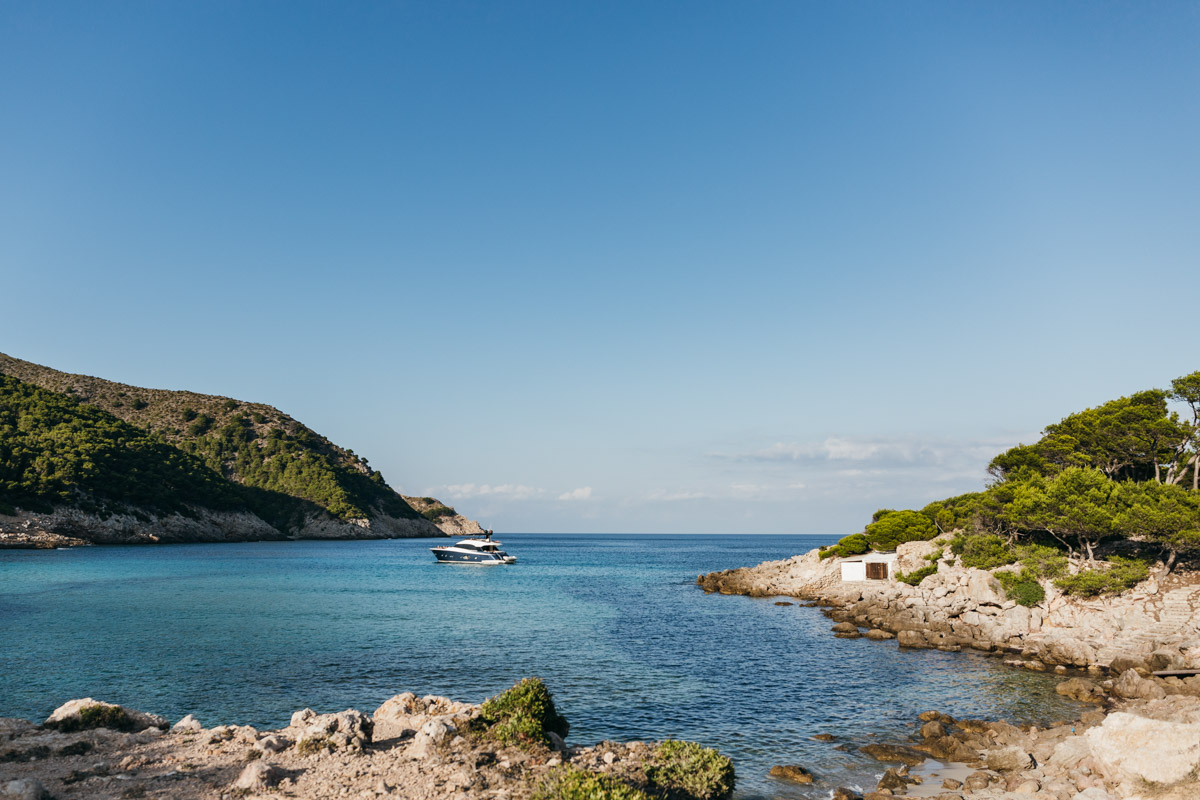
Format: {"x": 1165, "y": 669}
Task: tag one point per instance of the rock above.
{"x": 71, "y": 716}
{"x": 1007, "y": 759}
{"x": 12, "y": 727}
{"x": 345, "y": 729}
{"x": 845, "y": 627}
{"x": 556, "y": 742}
{"x": 933, "y": 730}
{"x": 978, "y": 780}
{"x": 1081, "y": 689}
{"x": 273, "y": 744}
{"x": 24, "y": 789}
{"x": 431, "y": 734}
{"x": 258, "y": 776}
{"x": 911, "y": 639}
{"x": 823, "y": 737}
{"x": 791, "y": 772}
{"x": 188, "y": 724}
{"x": 949, "y": 748}
{"x": 1070, "y": 752}
{"x": 1132, "y": 685}
{"x": 842, "y": 793}
{"x": 783, "y": 603}
{"x": 893, "y": 781}
{"x": 1028, "y": 787}
{"x": 1139, "y": 749}
{"x": 983, "y": 589}
{"x": 950, "y": 783}
{"x": 879, "y": 635}
{"x": 894, "y": 752}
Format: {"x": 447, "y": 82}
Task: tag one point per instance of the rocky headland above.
{"x": 92, "y": 461}
{"x": 1154, "y": 626}
{"x": 508, "y": 748}
{"x": 1142, "y": 742}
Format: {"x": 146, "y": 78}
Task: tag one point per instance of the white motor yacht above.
{"x": 473, "y": 551}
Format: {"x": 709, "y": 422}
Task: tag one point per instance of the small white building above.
{"x": 869, "y": 567}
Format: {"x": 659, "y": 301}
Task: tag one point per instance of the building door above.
{"x": 876, "y": 571}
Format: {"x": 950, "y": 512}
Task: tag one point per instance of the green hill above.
{"x": 102, "y": 447}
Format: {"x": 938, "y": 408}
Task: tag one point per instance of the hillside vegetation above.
{"x": 91, "y": 443}
{"x": 1089, "y": 506}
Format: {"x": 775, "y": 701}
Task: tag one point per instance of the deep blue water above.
{"x": 615, "y": 625}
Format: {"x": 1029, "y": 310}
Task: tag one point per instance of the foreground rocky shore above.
{"x": 508, "y": 748}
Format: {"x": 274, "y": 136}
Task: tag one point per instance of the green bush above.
{"x": 1046, "y": 562}
{"x": 523, "y": 715}
{"x": 1022, "y": 586}
{"x": 853, "y": 545}
{"x": 982, "y": 551}
{"x": 1122, "y": 574}
{"x": 916, "y": 576}
{"x": 687, "y": 769}
{"x": 572, "y": 783}
{"x": 897, "y": 527}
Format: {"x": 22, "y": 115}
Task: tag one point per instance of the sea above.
{"x": 615, "y": 625}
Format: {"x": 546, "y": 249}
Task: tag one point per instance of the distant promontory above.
{"x": 85, "y": 460}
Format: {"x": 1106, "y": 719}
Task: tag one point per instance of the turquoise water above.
{"x": 615, "y": 625}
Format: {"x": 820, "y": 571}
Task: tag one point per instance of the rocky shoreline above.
{"x": 1141, "y": 743}
{"x": 1156, "y": 626}
{"x": 418, "y": 748}
{"x": 68, "y": 527}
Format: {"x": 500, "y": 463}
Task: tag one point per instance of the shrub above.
{"x": 687, "y": 769}
{"x": 1122, "y": 574}
{"x": 1023, "y": 586}
{"x": 572, "y": 783}
{"x": 916, "y": 576}
{"x": 853, "y": 545}
{"x": 898, "y": 527}
{"x": 523, "y": 715}
{"x": 982, "y": 551}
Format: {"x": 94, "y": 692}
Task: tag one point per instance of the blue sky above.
{"x": 679, "y": 267}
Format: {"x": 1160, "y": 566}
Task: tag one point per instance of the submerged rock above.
{"x": 894, "y": 752}
{"x": 791, "y": 772}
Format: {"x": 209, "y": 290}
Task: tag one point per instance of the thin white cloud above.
{"x": 582, "y": 493}
{"x": 663, "y": 496}
{"x": 505, "y": 491}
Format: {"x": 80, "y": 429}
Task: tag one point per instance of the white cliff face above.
{"x": 1156, "y": 626}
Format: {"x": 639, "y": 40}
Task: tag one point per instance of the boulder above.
{"x": 345, "y": 729}
{"x": 1081, "y": 689}
{"x": 89, "y": 713}
{"x": 845, "y": 627}
{"x": 978, "y": 780}
{"x": 273, "y": 744}
{"x": 911, "y": 639}
{"x": 429, "y": 737}
{"x": 24, "y": 789}
{"x": 983, "y": 589}
{"x": 188, "y": 724}
{"x": 1007, "y": 759}
{"x": 12, "y": 727}
{"x": 894, "y": 752}
{"x": 258, "y": 776}
{"x": 1137, "y": 749}
{"x": 879, "y": 635}
{"x": 933, "y": 730}
{"x": 893, "y": 781}
{"x": 791, "y": 772}
{"x": 842, "y": 793}
{"x": 1131, "y": 685}
{"x": 1069, "y": 752}
{"x": 823, "y": 737}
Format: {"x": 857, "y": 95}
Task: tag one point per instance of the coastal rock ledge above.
{"x": 1156, "y": 626}
{"x": 417, "y": 748}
